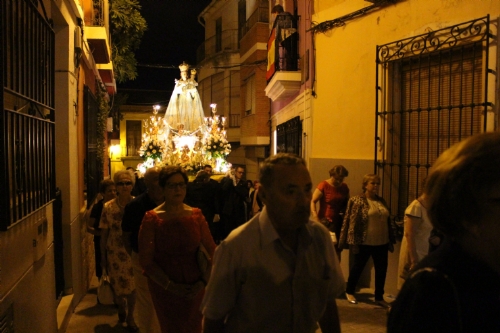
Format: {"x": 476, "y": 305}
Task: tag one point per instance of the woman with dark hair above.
{"x": 369, "y": 232}
{"x": 456, "y": 287}
{"x": 107, "y": 190}
{"x": 169, "y": 238}
{"x": 332, "y": 195}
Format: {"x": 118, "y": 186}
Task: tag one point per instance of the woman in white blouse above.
{"x": 415, "y": 243}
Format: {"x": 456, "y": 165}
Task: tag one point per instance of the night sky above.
{"x": 173, "y": 36}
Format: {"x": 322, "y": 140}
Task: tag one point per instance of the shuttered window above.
{"x": 433, "y": 99}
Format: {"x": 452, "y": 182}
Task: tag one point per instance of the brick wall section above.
{"x": 255, "y": 124}
{"x": 259, "y": 33}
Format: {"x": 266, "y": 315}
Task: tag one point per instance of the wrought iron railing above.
{"x": 27, "y": 172}
{"x": 283, "y": 42}
{"x": 97, "y": 13}
{"x": 260, "y": 15}
{"x": 432, "y": 91}
{"x": 234, "y": 120}
{"x": 289, "y": 136}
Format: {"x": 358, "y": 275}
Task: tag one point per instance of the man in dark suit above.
{"x": 234, "y": 195}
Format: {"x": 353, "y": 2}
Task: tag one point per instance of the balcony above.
{"x": 96, "y": 33}
{"x": 107, "y": 76}
{"x": 227, "y": 41}
{"x": 283, "y": 85}
{"x": 260, "y": 15}
{"x": 283, "y": 75}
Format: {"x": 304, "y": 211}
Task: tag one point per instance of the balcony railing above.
{"x": 234, "y": 120}
{"x": 285, "y": 39}
{"x": 226, "y": 42}
{"x": 97, "y": 13}
{"x": 260, "y": 15}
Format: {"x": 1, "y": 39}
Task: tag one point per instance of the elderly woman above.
{"x": 168, "y": 241}
{"x": 115, "y": 259}
{"x": 332, "y": 195}
{"x": 456, "y": 288}
{"x": 369, "y": 232}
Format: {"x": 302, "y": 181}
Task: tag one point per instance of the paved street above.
{"x": 364, "y": 317}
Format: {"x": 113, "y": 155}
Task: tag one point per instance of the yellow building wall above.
{"x": 345, "y": 64}
{"x": 343, "y": 116}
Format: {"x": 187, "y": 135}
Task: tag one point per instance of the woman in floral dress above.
{"x": 115, "y": 259}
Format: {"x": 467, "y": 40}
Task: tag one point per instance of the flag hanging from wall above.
{"x": 271, "y": 55}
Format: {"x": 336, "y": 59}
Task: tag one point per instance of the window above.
{"x": 242, "y": 17}
{"x": 134, "y": 135}
{"x": 432, "y": 100}
{"x": 289, "y": 137}
{"x": 27, "y": 171}
{"x": 214, "y": 89}
{"x": 218, "y": 35}
{"x": 93, "y": 167}
{"x": 250, "y": 96}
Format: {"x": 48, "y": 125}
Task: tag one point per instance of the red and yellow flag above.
{"x": 271, "y": 54}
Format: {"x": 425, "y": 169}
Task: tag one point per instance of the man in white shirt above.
{"x": 278, "y": 272}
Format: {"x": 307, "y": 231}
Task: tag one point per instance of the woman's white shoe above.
{"x": 351, "y": 299}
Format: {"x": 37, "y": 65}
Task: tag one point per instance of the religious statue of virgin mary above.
{"x": 185, "y": 109}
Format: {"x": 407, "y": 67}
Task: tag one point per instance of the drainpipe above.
{"x": 270, "y": 128}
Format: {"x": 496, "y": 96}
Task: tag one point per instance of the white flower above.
{"x": 154, "y": 151}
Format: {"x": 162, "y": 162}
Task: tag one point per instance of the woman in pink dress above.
{"x": 332, "y": 195}
{"x": 168, "y": 241}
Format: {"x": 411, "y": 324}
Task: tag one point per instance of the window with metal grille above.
{"x": 432, "y": 94}
{"x": 134, "y": 136}
{"x": 289, "y": 136}
{"x": 250, "y": 95}
{"x": 27, "y": 171}
{"x": 93, "y": 167}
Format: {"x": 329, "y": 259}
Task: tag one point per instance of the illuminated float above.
{"x": 184, "y": 137}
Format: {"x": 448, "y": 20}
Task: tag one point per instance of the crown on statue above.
{"x": 184, "y": 67}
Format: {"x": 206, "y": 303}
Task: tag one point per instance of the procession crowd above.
{"x": 263, "y": 256}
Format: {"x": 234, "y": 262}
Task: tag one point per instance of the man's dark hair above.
{"x": 277, "y": 9}
{"x": 104, "y": 184}
{"x": 267, "y": 169}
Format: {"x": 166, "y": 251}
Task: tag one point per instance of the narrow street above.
{"x": 90, "y": 317}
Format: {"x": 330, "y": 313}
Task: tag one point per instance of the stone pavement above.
{"x": 364, "y": 317}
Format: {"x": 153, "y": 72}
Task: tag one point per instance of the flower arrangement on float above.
{"x": 216, "y": 146}
{"x": 163, "y": 145}
{"x": 152, "y": 151}
{"x": 154, "y": 142}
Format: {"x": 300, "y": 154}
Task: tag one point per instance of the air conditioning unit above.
{"x": 78, "y": 39}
